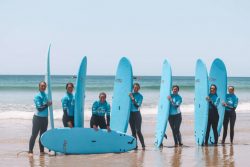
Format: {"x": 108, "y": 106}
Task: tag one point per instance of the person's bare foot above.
{"x": 30, "y": 154}
{"x": 42, "y": 153}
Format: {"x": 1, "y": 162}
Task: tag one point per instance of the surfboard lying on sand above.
{"x": 87, "y": 141}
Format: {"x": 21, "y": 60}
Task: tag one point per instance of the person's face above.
{"x": 212, "y": 90}
{"x": 70, "y": 88}
{"x": 175, "y": 90}
{"x": 230, "y": 90}
{"x": 42, "y": 87}
{"x": 136, "y": 88}
{"x": 102, "y": 98}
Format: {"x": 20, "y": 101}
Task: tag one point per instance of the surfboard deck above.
{"x": 121, "y": 102}
{"x": 48, "y": 90}
{"x": 164, "y": 104}
{"x": 218, "y": 76}
{"x": 80, "y": 94}
{"x": 87, "y": 141}
{"x": 201, "y": 104}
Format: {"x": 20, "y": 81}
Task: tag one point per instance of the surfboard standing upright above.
{"x": 80, "y": 94}
{"x": 201, "y": 104}
{"x": 218, "y": 77}
{"x": 49, "y": 93}
{"x": 164, "y": 104}
{"x": 121, "y": 101}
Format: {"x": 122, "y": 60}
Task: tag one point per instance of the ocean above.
{"x": 17, "y": 93}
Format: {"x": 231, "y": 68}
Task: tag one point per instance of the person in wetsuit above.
{"x": 68, "y": 105}
{"x": 135, "y": 119}
{"x": 100, "y": 108}
{"x": 213, "y": 115}
{"x": 40, "y": 118}
{"x": 175, "y": 117}
{"x": 230, "y": 114}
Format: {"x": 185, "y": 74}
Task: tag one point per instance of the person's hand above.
{"x": 169, "y": 98}
{"x": 95, "y": 128}
{"x": 108, "y": 129}
{"x": 131, "y": 96}
{"x": 49, "y": 103}
{"x": 224, "y": 104}
{"x": 208, "y": 98}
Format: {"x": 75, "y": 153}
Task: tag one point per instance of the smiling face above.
{"x": 175, "y": 90}
{"x": 212, "y": 89}
{"x": 136, "y": 88}
{"x": 42, "y": 86}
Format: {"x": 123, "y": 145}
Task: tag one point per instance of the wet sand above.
{"x": 14, "y": 139}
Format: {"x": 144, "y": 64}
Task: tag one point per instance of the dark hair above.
{"x": 69, "y": 83}
{"x": 137, "y": 84}
{"x": 102, "y": 93}
{"x": 176, "y": 86}
{"x": 41, "y": 83}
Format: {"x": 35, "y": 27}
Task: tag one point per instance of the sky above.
{"x": 145, "y": 31}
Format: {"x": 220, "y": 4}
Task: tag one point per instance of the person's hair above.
{"x": 102, "y": 93}
{"x": 176, "y": 86}
{"x": 214, "y": 86}
{"x": 231, "y": 87}
{"x": 41, "y": 83}
{"x": 69, "y": 83}
{"x": 137, "y": 84}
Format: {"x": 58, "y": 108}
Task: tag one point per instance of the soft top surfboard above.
{"x": 80, "y": 94}
{"x": 164, "y": 104}
{"x": 121, "y": 102}
{"x": 218, "y": 77}
{"x": 48, "y": 90}
{"x": 201, "y": 104}
{"x": 87, "y": 141}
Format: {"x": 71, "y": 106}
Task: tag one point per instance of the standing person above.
{"x": 68, "y": 104}
{"x": 135, "y": 119}
{"x": 99, "y": 110}
{"x": 230, "y": 114}
{"x": 175, "y": 117}
{"x": 40, "y": 118}
{"x": 213, "y": 115}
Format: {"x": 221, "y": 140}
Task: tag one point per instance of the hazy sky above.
{"x": 145, "y": 31}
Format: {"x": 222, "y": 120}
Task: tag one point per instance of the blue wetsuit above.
{"x": 213, "y": 117}
{"x": 40, "y": 120}
{"x": 68, "y": 105}
{"x": 230, "y": 116}
{"x": 135, "y": 119}
{"x": 99, "y": 110}
{"x": 175, "y": 117}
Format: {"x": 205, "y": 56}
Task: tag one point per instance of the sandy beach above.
{"x": 14, "y": 139}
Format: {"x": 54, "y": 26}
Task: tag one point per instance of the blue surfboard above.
{"x": 164, "y": 104}
{"x": 121, "y": 102}
{"x": 87, "y": 141}
{"x": 48, "y": 90}
{"x": 80, "y": 94}
{"x": 201, "y": 104}
{"x": 218, "y": 76}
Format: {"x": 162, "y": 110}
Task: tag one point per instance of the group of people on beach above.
{"x": 101, "y": 108}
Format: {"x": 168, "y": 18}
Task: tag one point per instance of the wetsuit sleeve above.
{"x": 65, "y": 106}
{"x": 94, "y": 108}
{"x": 108, "y": 115}
{"x": 177, "y": 103}
{"x": 137, "y": 102}
{"x": 215, "y": 103}
{"x": 39, "y": 105}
